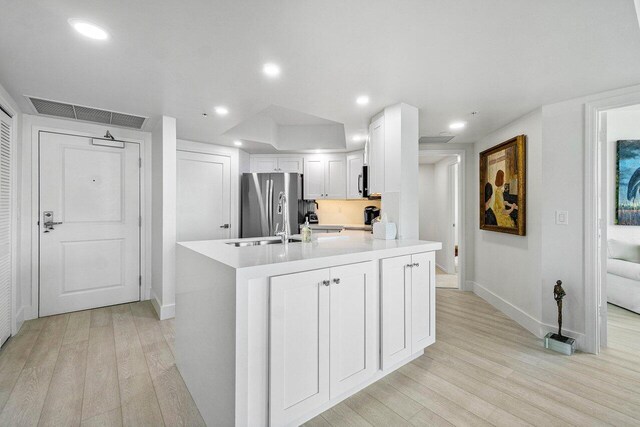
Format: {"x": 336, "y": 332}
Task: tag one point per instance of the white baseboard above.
{"x": 525, "y": 320}
{"x": 164, "y": 312}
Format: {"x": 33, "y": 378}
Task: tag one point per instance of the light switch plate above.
{"x": 562, "y": 217}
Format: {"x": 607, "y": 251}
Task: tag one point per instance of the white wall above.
{"x": 620, "y": 125}
{"x": 508, "y": 267}
{"x": 400, "y": 198}
{"x": 164, "y": 216}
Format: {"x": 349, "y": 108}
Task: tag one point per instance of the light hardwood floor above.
{"x": 105, "y": 367}
{"x": 445, "y": 280}
{"x": 623, "y": 329}
{"x": 115, "y": 366}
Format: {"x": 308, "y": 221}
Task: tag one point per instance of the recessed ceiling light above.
{"x": 221, "y": 111}
{"x": 362, "y": 100}
{"x": 457, "y": 125}
{"x": 204, "y": 114}
{"x": 271, "y": 69}
{"x": 88, "y": 29}
{"x": 237, "y": 143}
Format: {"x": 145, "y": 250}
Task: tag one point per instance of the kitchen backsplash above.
{"x": 343, "y": 212}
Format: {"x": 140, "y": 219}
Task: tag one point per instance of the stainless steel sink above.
{"x": 243, "y": 244}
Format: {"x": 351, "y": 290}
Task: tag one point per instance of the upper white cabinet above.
{"x": 323, "y": 337}
{"x": 376, "y": 151}
{"x": 407, "y": 306}
{"x": 261, "y": 164}
{"x": 355, "y": 162}
{"x": 325, "y": 177}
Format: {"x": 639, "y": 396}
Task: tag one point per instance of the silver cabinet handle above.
{"x": 416, "y": 264}
{"x": 225, "y": 226}
{"x": 359, "y": 183}
{"x": 409, "y": 265}
{"x": 326, "y": 282}
{"x": 336, "y": 281}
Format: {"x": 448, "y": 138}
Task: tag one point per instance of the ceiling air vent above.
{"x": 87, "y": 114}
{"x": 435, "y": 139}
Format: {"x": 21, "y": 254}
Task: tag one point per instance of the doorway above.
{"x": 439, "y": 194}
{"x": 89, "y": 224}
{"x": 619, "y": 212}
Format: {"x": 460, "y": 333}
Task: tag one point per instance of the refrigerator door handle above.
{"x": 270, "y": 204}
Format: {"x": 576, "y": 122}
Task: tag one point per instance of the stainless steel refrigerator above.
{"x": 260, "y": 194}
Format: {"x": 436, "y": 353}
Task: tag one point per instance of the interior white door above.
{"x": 299, "y": 345}
{"x": 353, "y": 328}
{"x": 203, "y": 196}
{"x": 5, "y": 226}
{"x": 90, "y": 256}
{"x": 423, "y": 316}
{"x": 396, "y": 309}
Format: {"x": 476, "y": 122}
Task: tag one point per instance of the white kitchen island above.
{"x": 275, "y": 334}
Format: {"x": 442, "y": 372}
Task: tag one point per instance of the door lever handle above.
{"x": 225, "y": 226}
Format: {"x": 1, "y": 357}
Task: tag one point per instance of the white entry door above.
{"x": 203, "y": 197}
{"x": 90, "y": 255}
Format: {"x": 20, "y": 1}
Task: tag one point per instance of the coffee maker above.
{"x": 371, "y": 213}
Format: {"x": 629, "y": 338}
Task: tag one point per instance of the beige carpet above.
{"x": 444, "y": 280}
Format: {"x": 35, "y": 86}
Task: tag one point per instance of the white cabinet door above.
{"x": 290, "y": 164}
{"x": 264, "y": 164}
{"x": 203, "y": 205}
{"x": 336, "y": 178}
{"x": 395, "y": 309}
{"x": 353, "y": 328}
{"x": 423, "y": 316}
{"x": 314, "y": 169}
{"x": 355, "y": 162}
{"x": 376, "y": 156}
{"x": 299, "y": 345}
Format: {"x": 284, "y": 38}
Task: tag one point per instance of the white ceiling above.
{"x": 502, "y": 58}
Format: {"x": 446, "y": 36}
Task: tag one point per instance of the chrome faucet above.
{"x": 283, "y": 209}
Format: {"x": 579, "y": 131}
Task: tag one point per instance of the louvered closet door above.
{"x": 5, "y": 227}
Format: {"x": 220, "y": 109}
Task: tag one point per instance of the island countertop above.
{"x": 348, "y": 247}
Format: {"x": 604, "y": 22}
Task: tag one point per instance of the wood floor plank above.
{"x": 101, "y": 389}
{"x": 112, "y": 418}
{"x": 373, "y": 411}
{"x": 63, "y": 405}
{"x": 45, "y": 351}
{"x": 394, "y": 399}
{"x": 77, "y": 327}
{"x": 342, "y": 415}
{"x": 438, "y": 404}
{"x": 27, "y": 398}
{"x": 427, "y": 418}
{"x": 137, "y": 395}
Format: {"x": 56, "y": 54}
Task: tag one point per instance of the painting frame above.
{"x": 518, "y": 143}
{"x": 627, "y": 212}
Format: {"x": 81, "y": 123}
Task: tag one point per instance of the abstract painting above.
{"x": 502, "y": 187}
{"x": 628, "y": 183}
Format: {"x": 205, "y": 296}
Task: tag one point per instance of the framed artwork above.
{"x": 503, "y": 187}
{"x": 628, "y": 182}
